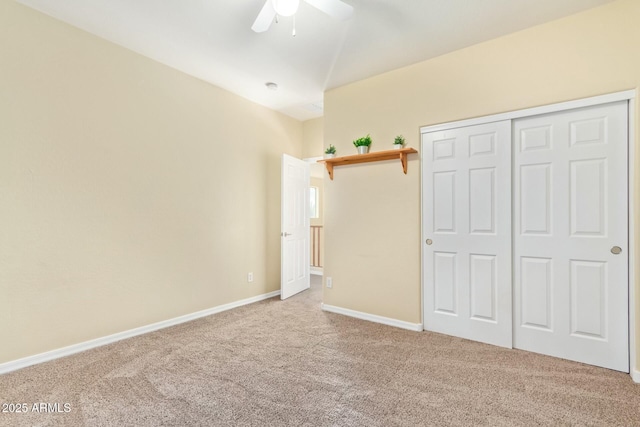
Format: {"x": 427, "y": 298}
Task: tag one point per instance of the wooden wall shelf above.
{"x": 376, "y": 156}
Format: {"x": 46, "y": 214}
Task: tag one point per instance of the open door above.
{"x": 294, "y": 276}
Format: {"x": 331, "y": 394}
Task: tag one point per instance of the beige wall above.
{"x": 372, "y": 211}
{"x": 313, "y": 137}
{"x": 130, "y": 193}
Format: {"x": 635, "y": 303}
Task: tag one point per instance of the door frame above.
{"x": 629, "y": 96}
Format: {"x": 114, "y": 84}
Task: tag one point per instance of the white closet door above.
{"x": 467, "y": 221}
{"x": 294, "y": 246}
{"x": 570, "y": 215}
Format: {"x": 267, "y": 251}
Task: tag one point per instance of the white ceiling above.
{"x": 213, "y": 40}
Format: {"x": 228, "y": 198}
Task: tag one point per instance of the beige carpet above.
{"x": 288, "y": 363}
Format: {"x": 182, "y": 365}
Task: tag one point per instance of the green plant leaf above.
{"x": 364, "y": 141}
{"x": 330, "y": 150}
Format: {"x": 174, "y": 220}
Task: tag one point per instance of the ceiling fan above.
{"x": 273, "y": 8}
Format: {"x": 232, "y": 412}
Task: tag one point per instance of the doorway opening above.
{"x": 316, "y": 215}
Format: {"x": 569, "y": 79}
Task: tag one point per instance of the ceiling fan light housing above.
{"x": 285, "y": 7}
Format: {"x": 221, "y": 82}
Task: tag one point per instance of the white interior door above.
{"x": 467, "y": 232}
{"x": 294, "y": 227}
{"x": 570, "y": 209}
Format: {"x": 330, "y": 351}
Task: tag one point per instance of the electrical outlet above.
{"x": 329, "y": 282}
{"x": 250, "y": 277}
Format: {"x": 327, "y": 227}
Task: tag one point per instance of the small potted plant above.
{"x": 362, "y": 144}
{"x": 330, "y": 152}
{"x": 398, "y": 143}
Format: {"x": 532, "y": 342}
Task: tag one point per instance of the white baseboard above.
{"x": 316, "y": 271}
{"x": 98, "y": 342}
{"x": 373, "y": 318}
{"x": 635, "y": 375}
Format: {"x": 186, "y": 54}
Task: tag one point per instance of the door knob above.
{"x": 285, "y": 234}
{"x": 616, "y": 250}
{"x": 429, "y": 241}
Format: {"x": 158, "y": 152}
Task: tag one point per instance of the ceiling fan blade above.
{"x": 265, "y": 18}
{"x": 334, "y": 8}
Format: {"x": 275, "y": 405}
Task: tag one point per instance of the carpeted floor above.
{"x": 288, "y": 363}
